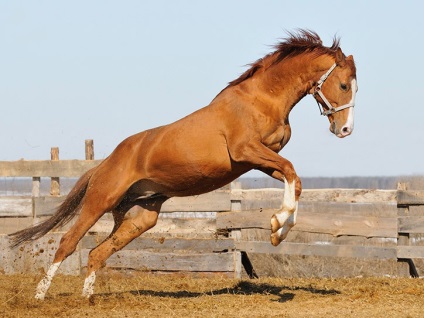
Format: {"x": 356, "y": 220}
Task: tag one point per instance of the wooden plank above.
{"x": 410, "y": 197}
{"x": 411, "y": 224}
{"x": 16, "y": 206}
{"x": 275, "y": 195}
{"x": 212, "y": 201}
{"x": 286, "y": 248}
{"x": 35, "y": 257}
{"x": 46, "y": 168}
{"x": 347, "y": 225}
{"x": 11, "y": 225}
{"x": 349, "y": 195}
{"x": 167, "y": 244}
{"x": 245, "y": 219}
{"x": 387, "y": 209}
{"x": 313, "y": 222}
{"x": 410, "y": 251}
{"x": 47, "y": 205}
{"x": 144, "y": 260}
{"x": 416, "y": 210}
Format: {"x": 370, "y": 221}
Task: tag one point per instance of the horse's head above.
{"x": 335, "y": 93}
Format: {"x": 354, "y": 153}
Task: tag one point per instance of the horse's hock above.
{"x": 338, "y": 233}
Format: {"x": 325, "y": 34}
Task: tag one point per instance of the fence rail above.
{"x": 216, "y": 232}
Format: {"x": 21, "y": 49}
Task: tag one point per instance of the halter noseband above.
{"x": 331, "y": 110}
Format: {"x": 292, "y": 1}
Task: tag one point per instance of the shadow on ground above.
{"x": 284, "y": 293}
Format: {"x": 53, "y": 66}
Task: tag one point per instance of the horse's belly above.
{"x": 182, "y": 175}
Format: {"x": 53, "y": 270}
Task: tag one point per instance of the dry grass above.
{"x": 147, "y": 295}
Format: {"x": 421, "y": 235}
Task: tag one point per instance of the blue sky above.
{"x": 104, "y": 70}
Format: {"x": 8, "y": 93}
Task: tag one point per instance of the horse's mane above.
{"x": 296, "y": 43}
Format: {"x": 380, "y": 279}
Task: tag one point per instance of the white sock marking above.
{"x": 44, "y": 284}
{"x": 88, "y": 289}
{"x": 289, "y": 203}
{"x": 290, "y": 222}
{"x": 287, "y": 217}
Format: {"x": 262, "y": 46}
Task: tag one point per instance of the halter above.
{"x": 331, "y": 110}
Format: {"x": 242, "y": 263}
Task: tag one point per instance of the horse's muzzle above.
{"x": 345, "y": 131}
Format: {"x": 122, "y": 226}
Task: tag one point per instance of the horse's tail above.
{"x": 65, "y": 213}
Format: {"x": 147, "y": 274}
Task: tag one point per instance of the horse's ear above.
{"x": 340, "y": 57}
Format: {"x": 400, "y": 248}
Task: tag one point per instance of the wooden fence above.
{"x": 221, "y": 231}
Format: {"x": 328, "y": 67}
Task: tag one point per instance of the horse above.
{"x": 243, "y": 128}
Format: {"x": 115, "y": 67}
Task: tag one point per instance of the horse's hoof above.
{"x": 275, "y": 239}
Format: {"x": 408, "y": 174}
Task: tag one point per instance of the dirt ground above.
{"x": 147, "y": 295}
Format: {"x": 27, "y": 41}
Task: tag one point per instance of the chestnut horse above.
{"x": 243, "y": 128}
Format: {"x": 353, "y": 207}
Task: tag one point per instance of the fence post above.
{"x": 406, "y": 265}
{"x": 235, "y": 206}
{"x": 35, "y": 194}
{"x": 36, "y": 186}
{"x": 89, "y": 149}
{"x": 55, "y": 181}
{"x": 241, "y": 259}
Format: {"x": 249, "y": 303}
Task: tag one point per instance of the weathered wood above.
{"x": 349, "y": 195}
{"x": 318, "y": 250}
{"x": 167, "y": 244}
{"x": 60, "y": 168}
{"x": 89, "y": 149}
{"x": 12, "y": 224}
{"x": 347, "y": 225}
{"x": 145, "y": 260}
{"x": 212, "y": 201}
{"x": 35, "y": 257}
{"x": 410, "y": 252}
{"x": 313, "y": 222}
{"x": 273, "y": 197}
{"x": 405, "y": 266}
{"x": 36, "y": 186}
{"x": 15, "y": 206}
{"x": 378, "y": 209}
{"x": 46, "y": 205}
{"x": 411, "y": 224}
{"x": 55, "y": 181}
{"x": 410, "y": 197}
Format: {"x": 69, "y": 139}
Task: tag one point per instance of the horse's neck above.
{"x": 276, "y": 89}
{"x": 287, "y": 82}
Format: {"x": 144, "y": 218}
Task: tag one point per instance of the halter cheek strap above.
{"x": 331, "y": 110}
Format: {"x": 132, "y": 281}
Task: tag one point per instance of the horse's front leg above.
{"x": 268, "y": 161}
{"x": 284, "y": 220}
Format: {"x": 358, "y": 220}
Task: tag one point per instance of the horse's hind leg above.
{"x": 140, "y": 217}
{"x": 68, "y": 244}
{"x": 94, "y": 206}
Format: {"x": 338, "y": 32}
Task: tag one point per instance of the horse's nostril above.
{"x": 346, "y": 131}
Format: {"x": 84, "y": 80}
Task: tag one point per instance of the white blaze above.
{"x": 349, "y": 121}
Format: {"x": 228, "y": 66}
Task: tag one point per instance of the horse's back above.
{"x": 187, "y": 157}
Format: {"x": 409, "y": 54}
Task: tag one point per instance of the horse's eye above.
{"x": 343, "y": 87}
